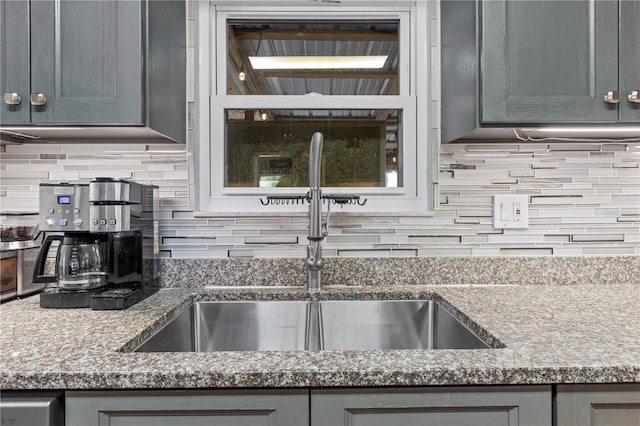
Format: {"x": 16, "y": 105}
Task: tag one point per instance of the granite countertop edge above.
{"x": 552, "y": 334}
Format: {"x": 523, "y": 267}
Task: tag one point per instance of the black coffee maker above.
{"x": 107, "y": 236}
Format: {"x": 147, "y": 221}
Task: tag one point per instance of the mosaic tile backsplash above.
{"x": 584, "y": 200}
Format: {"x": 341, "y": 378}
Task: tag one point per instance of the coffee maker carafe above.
{"x": 107, "y": 255}
{"x": 81, "y": 261}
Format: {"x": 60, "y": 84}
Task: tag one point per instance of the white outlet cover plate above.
{"x": 504, "y": 211}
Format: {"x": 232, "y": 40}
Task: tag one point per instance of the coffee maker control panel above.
{"x": 64, "y": 207}
{"x": 110, "y": 218}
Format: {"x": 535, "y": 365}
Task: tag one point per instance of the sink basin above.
{"x": 315, "y": 325}
{"x": 393, "y": 324}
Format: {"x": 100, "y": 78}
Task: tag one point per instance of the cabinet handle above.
{"x": 11, "y": 98}
{"x": 634, "y": 97}
{"x": 612, "y": 97}
{"x": 38, "y": 99}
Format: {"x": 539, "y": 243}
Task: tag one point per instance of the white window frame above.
{"x": 212, "y": 197}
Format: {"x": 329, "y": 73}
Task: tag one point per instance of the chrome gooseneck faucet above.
{"x": 318, "y": 226}
{"x": 317, "y": 229}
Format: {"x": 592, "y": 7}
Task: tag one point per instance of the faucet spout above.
{"x": 315, "y": 156}
{"x": 316, "y": 235}
{"x": 315, "y": 194}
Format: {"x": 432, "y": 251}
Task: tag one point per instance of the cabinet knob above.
{"x": 11, "y": 98}
{"x": 634, "y": 97}
{"x": 38, "y": 99}
{"x": 612, "y": 97}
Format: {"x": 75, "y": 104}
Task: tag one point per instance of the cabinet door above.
{"x": 629, "y": 59}
{"x": 477, "y": 406}
{"x": 14, "y": 61}
{"x": 598, "y": 405}
{"x": 548, "y": 61}
{"x": 86, "y": 60}
{"x": 184, "y": 408}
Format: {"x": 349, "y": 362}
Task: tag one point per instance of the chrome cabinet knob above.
{"x": 612, "y": 97}
{"x": 11, "y": 98}
{"x": 38, "y": 99}
{"x": 634, "y": 97}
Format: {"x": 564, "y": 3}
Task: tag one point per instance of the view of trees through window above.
{"x": 275, "y": 153}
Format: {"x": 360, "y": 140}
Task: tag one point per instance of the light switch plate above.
{"x": 510, "y": 211}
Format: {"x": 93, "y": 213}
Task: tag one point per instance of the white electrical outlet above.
{"x": 510, "y": 211}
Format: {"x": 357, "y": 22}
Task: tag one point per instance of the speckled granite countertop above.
{"x": 552, "y": 334}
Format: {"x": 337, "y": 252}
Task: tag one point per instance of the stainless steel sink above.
{"x": 392, "y": 324}
{"x": 303, "y": 325}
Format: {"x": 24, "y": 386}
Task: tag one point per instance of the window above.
{"x": 357, "y": 73}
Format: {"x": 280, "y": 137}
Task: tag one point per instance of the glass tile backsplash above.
{"x": 584, "y": 199}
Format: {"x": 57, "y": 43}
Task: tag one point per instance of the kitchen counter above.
{"x": 552, "y": 334}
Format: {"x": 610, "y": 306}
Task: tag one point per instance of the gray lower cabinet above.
{"x": 459, "y": 406}
{"x": 556, "y": 61}
{"x": 187, "y": 408}
{"x": 598, "y": 405}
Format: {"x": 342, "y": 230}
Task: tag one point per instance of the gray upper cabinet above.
{"x": 94, "y": 63}
{"x": 629, "y": 61}
{"x": 14, "y": 62}
{"x": 84, "y": 59}
{"x": 556, "y": 61}
{"x": 533, "y": 62}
